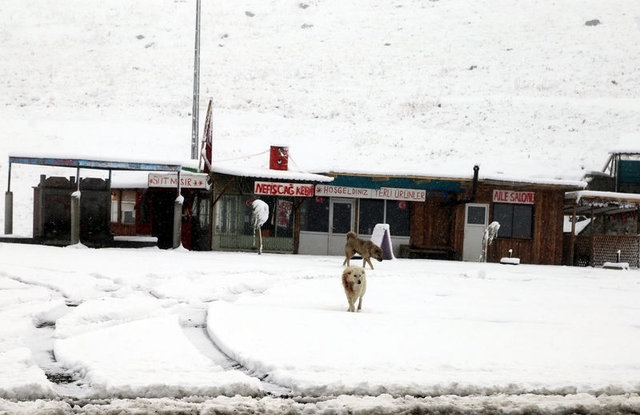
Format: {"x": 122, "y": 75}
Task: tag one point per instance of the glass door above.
{"x": 476, "y": 221}
{"x": 341, "y": 221}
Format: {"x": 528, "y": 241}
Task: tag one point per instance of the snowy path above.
{"x": 432, "y": 335}
{"x": 199, "y": 337}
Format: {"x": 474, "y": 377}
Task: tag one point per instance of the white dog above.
{"x": 354, "y": 281}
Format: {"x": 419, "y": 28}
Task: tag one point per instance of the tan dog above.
{"x": 363, "y": 247}
{"x": 354, "y": 281}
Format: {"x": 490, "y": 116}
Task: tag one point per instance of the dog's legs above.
{"x": 346, "y": 261}
{"x": 360, "y": 303}
{"x": 351, "y": 305}
{"x": 365, "y": 261}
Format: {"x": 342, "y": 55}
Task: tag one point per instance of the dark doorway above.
{"x": 162, "y": 204}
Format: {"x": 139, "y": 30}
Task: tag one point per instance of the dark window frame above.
{"x": 516, "y": 220}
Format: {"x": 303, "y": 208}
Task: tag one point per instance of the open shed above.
{"x": 60, "y": 197}
{"x": 613, "y": 234}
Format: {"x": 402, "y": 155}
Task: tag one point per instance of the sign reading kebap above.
{"x": 307, "y": 190}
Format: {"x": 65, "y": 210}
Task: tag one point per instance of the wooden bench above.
{"x": 408, "y": 251}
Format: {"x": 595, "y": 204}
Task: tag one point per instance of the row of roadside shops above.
{"x": 554, "y": 222}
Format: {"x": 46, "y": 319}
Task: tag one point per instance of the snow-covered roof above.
{"x": 265, "y": 173}
{"x": 577, "y": 196}
{"x": 533, "y": 180}
{"x": 592, "y": 202}
{"x": 461, "y": 176}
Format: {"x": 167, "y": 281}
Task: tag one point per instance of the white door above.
{"x": 341, "y": 221}
{"x": 476, "y": 219}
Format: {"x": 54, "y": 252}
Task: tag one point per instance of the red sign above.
{"x": 512, "y": 196}
{"x": 283, "y": 189}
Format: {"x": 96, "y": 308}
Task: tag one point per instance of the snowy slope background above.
{"x": 429, "y": 87}
{"x": 525, "y": 89}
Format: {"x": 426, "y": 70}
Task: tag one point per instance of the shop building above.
{"x": 309, "y": 213}
{"x": 441, "y": 218}
{"x": 79, "y": 209}
{"x": 603, "y": 220}
{"x": 147, "y": 209}
{"x": 284, "y": 191}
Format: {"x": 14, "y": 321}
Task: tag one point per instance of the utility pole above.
{"x": 196, "y": 88}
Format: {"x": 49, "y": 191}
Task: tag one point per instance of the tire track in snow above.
{"x": 199, "y": 337}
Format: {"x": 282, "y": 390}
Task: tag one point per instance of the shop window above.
{"x": 226, "y": 215}
{"x": 516, "y": 221}
{"x": 128, "y": 207}
{"x": 397, "y": 216}
{"x": 115, "y": 205}
{"x": 476, "y": 215}
{"x": 280, "y": 222}
{"x": 342, "y": 216}
{"x": 314, "y": 214}
{"x": 284, "y": 218}
{"x": 393, "y": 212}
{"x": 247, "y": 210}
{"x": 123, "y": 206}
{"x": 371, "y": 213}
{"x": 203, "y": 212}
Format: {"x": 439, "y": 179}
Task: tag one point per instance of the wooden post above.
{"x": 572, "y": 239}
{"x": 177, "y": 222}
{"x": 75, "y": 211}
{"x": 638, "y": 233}
{"x": 8, "y": 207}
{"x": 592, "y": 251}
{"x": 177, "y": 216}
{"x": 297, "y": 202}
{"x": 8, "y": 213}
{"x": 75, "y": 218}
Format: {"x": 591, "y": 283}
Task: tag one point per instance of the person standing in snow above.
{"x": 259, "y": 216}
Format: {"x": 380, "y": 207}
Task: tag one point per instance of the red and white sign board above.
{"x": 389, "y": 193}
{"x": 283, "y": 189}
{"x": 187, "y": 180}
{"x": 512, "y": 196}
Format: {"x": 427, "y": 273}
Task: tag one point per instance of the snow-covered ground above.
{"x": 234, "y": 330}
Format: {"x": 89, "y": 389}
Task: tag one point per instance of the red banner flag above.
{"x": 207, "y": 152}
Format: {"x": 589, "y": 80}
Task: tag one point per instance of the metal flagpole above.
{"x": 196, "y": 87}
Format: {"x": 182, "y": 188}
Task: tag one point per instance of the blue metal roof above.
{"x": 94, "y": 164}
